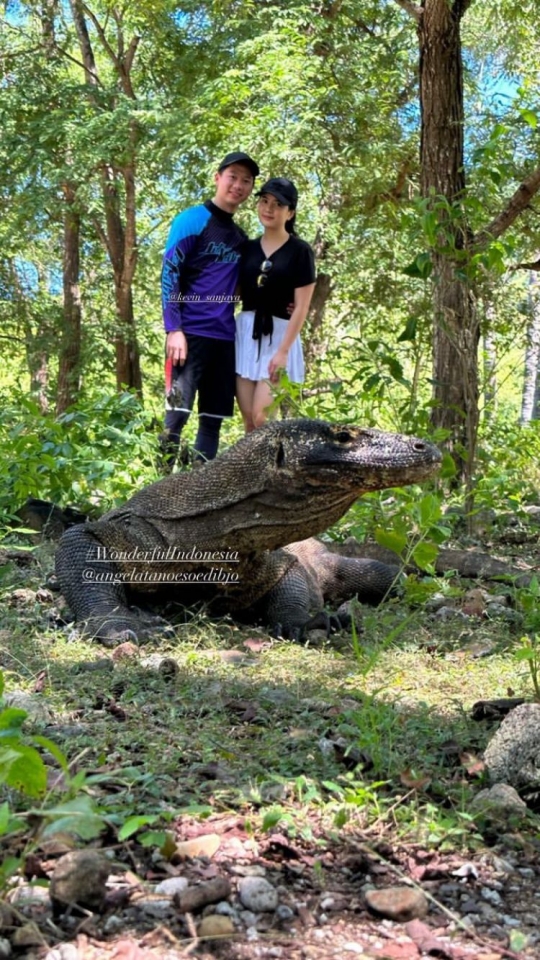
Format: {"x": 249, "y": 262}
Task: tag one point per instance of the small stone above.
{"x": 5, "y": 948}
{"x": 215, "y": 925}
{"x": 33, "y": 704}
{"x": 499, "y": 800}
{"x": 27, "y": 936}
{"x": 125, "y": 651}
{"x": 248, "y": 918}
{"x": 491, "y": 896}
{"x": 398, "y": 903}
{"x": 225, "y": 909}
{"x": 79, "y": 878}
{"x": 27, "y": 895}
{"x": 257, "y": 894}
{"x": 64, "y": 951}
{"x": 103, "y": 665}
{"x": 353, "y": 947}
{"x": 171, "y": 885}
{"x": 160, "y": 909}
{"x": 113, "y": 924}
{"x": 284, "y": 913}
{"x": 205, "y": 846}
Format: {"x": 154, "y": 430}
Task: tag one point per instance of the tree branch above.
{"x": 515, "y": 206}
{"x": 411, "y": 8}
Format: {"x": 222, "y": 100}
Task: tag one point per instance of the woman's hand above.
{"x": 277, "y": 364}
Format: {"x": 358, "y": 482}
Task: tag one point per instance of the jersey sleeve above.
{"x": 304, "y": 272}
{"x": 181, "y": 241}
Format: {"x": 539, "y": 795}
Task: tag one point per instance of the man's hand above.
{"x": 176, "y": 347}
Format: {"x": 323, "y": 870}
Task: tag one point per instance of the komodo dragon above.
{"x": 286, "y": 481}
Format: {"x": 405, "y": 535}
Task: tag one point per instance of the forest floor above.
{"x": 284, "y": 783}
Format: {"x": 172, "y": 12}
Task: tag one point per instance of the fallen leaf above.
{"x": 412, "y": 780}
{"x": 472, "y": 763}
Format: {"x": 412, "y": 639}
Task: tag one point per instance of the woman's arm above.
{"x": 302, "y": 300}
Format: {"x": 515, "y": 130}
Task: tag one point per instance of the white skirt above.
{"x": 254, "y": 367}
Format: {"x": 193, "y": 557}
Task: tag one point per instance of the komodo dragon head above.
{"x": 347, "y": 457}
{"x": 289, "y": 480}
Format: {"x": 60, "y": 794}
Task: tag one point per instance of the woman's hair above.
{"x": 291, "y": 224}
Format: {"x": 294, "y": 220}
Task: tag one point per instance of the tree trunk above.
{"x": 490, "y": 365}
{"x": 529, "y": 397}
{"x": 69, "y": 364}
{"x": 456, "y": 328}
{"x": 128, "y": 369}
{"x": 119, "y": 239}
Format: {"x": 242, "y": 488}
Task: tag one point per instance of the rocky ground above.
{"x": 313, "y": 802}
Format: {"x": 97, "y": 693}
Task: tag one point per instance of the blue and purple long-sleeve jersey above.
{"x": 200, "y": 272}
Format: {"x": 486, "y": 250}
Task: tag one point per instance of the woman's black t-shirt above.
{"x": 293, "y": 265}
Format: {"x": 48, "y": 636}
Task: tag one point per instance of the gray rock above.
{"x": 5, "y": 947}
{"x": 160, "y": 909}
{"x": 513, "y": 754}
{"x": 398, "y": 903}
{"x": 491, "y": 896}
{"x": 79, "y": 878}
{"x": 257, "y": 894}
{"x": 171, "y": 885}
{"x": 34, "y": 704}
{"x": 284, "y": 913}
{"x": 64, "y": 951}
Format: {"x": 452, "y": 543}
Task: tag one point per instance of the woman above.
{"x": 277, "y": 279}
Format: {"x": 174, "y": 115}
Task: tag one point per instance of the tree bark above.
{"x": 490, "y": 364}
{"x": 69, "y": 364}
{"x": 456, "y": 327}
{"x": 529, "y": 397}
{"x": 118, "y": 237}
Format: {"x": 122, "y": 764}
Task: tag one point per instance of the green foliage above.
{"x": 529, "y": 653}
{"x": 24, "y": 771}
{"x": 93, "y": 455}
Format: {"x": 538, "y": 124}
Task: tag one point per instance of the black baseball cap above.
{"x": 282, "y": 189}
{"x": 238, "y": 157}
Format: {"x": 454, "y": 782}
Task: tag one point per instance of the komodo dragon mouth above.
{"x": 285, "y": 482}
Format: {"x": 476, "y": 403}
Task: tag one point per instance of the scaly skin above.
{"x": 283, "y": 483}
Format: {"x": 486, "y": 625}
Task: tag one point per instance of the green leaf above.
{"x": 132, "y": 824}
{"x": 22, "y": 768}
{"x": 429, "y": 509}
{"x": 11, "y": 720}
{"x": 409, "y": 333}
{"x": 391, "y": 539}
{"x": 530, "y": 117}
{"x": 5, "y": 814}
{"x": 53, "y": 749}
{"x": 76, "y": 816}
{"x": 421, "y": 267}
{"x": 155, "y": 838}
{"x": 272, "y": 818}
{"x": 425, "y": 554}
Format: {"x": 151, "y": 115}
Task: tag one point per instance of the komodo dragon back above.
{"x": 280, "y": 484}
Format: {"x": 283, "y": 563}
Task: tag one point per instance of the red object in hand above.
{"x": 173, "y": 391}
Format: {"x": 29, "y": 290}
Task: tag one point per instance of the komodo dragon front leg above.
{"x": 95, "y": 586}
{"x": 296, "y": 603}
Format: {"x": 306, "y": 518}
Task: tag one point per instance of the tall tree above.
{"x": 456, "y": 326}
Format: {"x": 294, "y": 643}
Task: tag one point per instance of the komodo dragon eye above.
{"x": 344, "y": 436}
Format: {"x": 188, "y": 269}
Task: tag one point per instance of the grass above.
{"x": 374, "y": 732}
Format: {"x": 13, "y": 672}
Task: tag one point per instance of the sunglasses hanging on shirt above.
{"x": 264, "y": 268}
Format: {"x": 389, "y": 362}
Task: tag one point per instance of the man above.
{"x": 199, "y": 278}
